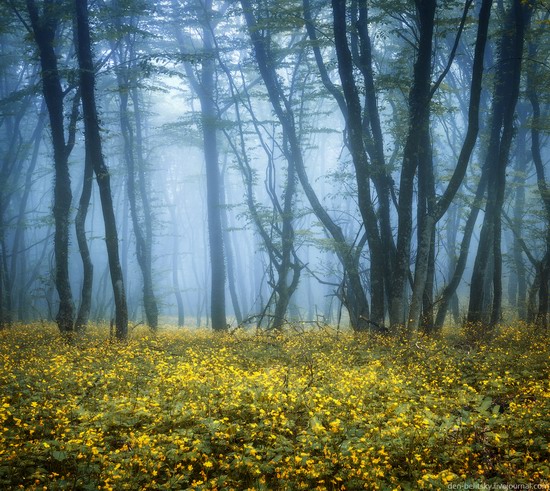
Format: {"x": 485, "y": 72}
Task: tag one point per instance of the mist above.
{"x": 274, "y": 163}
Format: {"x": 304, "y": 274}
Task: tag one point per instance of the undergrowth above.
{"x": 313, "y": 410}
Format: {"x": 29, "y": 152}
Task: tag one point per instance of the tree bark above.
{"x": 85, "y": 307}
{"x": 542, "y": 317}
{"x": 94, "y": 147}
{"x": 414, "y": 155}
{"x": 44, "y": 29}
{"x": 506, "y": 92}
{"x": 361, "y": 164}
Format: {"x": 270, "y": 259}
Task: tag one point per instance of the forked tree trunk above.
{"x": 94, "y": 147}
{"x": 44, "y": 29}
{"x": 488, "y": 260}
{"x": 414, "y": 155}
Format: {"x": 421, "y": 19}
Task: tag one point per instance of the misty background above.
{"x": 366, "y": 163}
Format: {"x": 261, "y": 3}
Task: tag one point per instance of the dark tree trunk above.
{"x": 93, "y": 146}
{"x": 506, "y": 92}
{"x": 44, "y": 31}
{"x": 518, "y": 283}
{"x": 542, "y": 316}
{"x": 355, "y": 297}
{"x": 359, "y": 157}
{"x": 85, "y": 307}
{"x": 414, "y": 155}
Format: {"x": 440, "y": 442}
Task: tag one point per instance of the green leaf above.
{"x": 59, "y": 455}
{"x": 485, "y": 404}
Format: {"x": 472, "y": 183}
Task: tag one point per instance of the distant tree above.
{"x": 85, "y": 307}
{"x": 204, "y": 85}
{"x": 131, "y": 121}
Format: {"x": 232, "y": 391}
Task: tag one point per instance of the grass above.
{"x": 313, "y": 410}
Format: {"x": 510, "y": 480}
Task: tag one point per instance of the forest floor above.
{"x": 187, "y": 409}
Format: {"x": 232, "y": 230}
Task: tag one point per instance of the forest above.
{"x": 274, "y": 244}
{"x": 379, "y": 165}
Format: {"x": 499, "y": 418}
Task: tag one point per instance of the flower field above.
{"x": 311, "y": 410}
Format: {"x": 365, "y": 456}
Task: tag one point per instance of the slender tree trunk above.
{"x": 85, "y": 307}
{"x": 44, "y": 32}
{"x": 149, "y": 299}
{"x": 414, "y": 155}
{"x": 134, "y": 161}
{"x": 542, "y": 317}
{"x": 176, "y": 268}
{"x": 506, "y": 92}
{"x": 19, "y": 237}
{"x": 229, "y": 257}
{"x": 359, "y": 157}
{"x": 5, "y": 307}
{"x": 519, "y": 282}
{"x": 93, "y": 146}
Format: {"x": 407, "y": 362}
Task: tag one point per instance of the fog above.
{"x": 274, "y": 164}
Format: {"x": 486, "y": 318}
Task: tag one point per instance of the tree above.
{"x": 44, "y": 27}
{"x": 354, "y": 295}
{"x": 542, "y": 272}
{"x": 488, "y": 263}
{"x": 127, "y": 71}
{"x": 95, "y": 154}
{"x": 205, "y": 88}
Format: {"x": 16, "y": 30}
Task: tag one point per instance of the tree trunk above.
{"x": 206, "y": 91}
{"x": 542, "y": 317}
{"x": 414, "y": 155}
{"x": 20, "y": 226}
{"x": 359, "y": 157}
{"x": 176, "y": 268}
{"x": 44, "y": 31}
{"x": 519, "y": 282}
{"x": 134, "y": 163}
{"x": 93, "y": 146}
{"x": 506, "y": 92}
{"x": 229, "y": 257}
{"x": 80, "y": 226}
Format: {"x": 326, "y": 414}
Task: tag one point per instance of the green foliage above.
{"x": 315, "y": 410}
